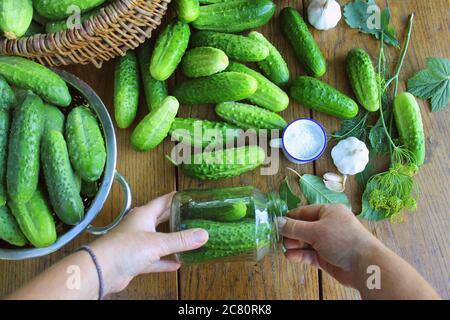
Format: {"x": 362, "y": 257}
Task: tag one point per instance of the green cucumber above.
{"x": 7, "y": 97}
{"x": 15, "y": 17}
{"x": 235, "y": 16}
{"x": 317, "y": 95}
{"x": 268, "y": 95}
{"x": 60, "y": 9}
{"x": 9, "y": 229}
{"x": 187, "y": 10}
{"x": 204, "y": 254}
{"x": 235, "y": 46}
{"x": 220, "y": 87}
{"x": 152, "y": 130}
{"x": 35, "y": 220}
{"x": 363, "y": 79}
{"x": 22, "y": 173}
{"x": 65, "y": 24}
{"x": 60, "y": 179}
{"x": 169, "y": 50}
{"x": 89, "y": 188}
{"x": 222, "y": 212}
{"x": 203, "y": 61}
{"x": 305, "y": 47}
{"x": 202, "y": 133}
{"x": 155, "y": 90}
{"x": 225, "y": 163}
{"x": 31, "y": 75}
{"x": 85, "y": 144}
{"x": 54, "y": 118}
{"x": 409, "y": 125}
{"x": 4, "y": 132}
{"x": 247, "y": 116}
{"x": 126, "y": 90}
{"x": 274, "y": 66}
{"x": 234, "y": 236}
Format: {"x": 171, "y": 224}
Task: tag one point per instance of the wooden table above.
{"x": 422, "y": 239}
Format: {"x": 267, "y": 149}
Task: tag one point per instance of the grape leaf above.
{"x": 378, "y": 138}
{"x": 356, "y": 127}
{"x": 362, "y": 15}
{"x": 316, "y": 193}
{"x": 433, "y": 83}
{"x": 288, "y": 196}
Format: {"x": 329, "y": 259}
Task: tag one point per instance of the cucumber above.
{"x": 169, "y": 49}
{"x": 225, "y": 163}
{"x": 234, "y": 16}
{"x": 60, "y": 9}
{"x": 22, "y": 172}
{"x": 268, "y": 95}
{"x": 247, "y": 116}
{"x": 152, "y": 130}
{"x": 222, "y": 212}
{"x": 54, "y": 118}
{"x": 363, "y": 79}
{"x": 187, "y": 10}
{"x": 202, "y": 133}
{"x": 30, "y": 75}
{"x": 203, "y": 61}
{"x": 274, "y": 67}
{"x": 317, "y": 95}
{"x": 221, "y": 87}
{"x": 89, "y": 188}
{"x": 233, "y": 236}
{"x": 203, "y": 255}
{"x": 409, "y": 125}
{"x": 9, "y": 229}
{"x": 15, "y": 17}
{"x": 235, "y": 46}
{"x": 85, "y": 144}
{"x": 65, "y": 24}
{"x": 155, "y": 91}
{"x": 4, "y": 131}
{"x": 126, "y": 90}
{"x": 7, "y": 97}
{"x": 305, "y": 47}
{"x": 35, "y": 220}
{"x": 60, "y": 179}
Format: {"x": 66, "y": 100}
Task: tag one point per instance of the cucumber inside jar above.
{"x": 240, "y": 223}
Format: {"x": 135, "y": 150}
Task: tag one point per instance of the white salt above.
{"x": 304, "y": 140}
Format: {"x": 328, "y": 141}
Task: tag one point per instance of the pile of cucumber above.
{"x": 50, "y": 163}
{"x": 25, "y": 18}
{"x": 213, "y": 61}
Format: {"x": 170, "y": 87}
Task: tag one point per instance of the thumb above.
{"x": 297, "y": 229}
{"x": 185, "y": 240}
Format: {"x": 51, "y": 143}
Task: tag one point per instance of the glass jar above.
{"x": 241, "y": 222}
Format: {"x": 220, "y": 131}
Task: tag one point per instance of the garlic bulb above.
{"x": 334, "y": 181}
{"x": 350, "y": 156}
{"x": 324, "y": 14}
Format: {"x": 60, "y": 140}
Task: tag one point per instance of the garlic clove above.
{"x": 334, "y": 186}
{"x": 331, "y": 176}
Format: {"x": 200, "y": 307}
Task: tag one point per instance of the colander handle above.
{"x": 98, "y": 231}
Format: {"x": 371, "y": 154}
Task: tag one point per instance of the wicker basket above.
{"x": 120, "y": 26}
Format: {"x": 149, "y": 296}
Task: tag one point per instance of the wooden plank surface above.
{"x": 422, "y": 238}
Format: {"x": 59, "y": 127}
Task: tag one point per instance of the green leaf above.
{"x": 367, "y": 212}
{"x": 361, "y": 15}
{"x": 378, "y": 138}
{"x": 356, "y": 127}
{"x": 433, "y": 83}
{"x": 363, "y": 177}
{"x": 315, "y": 191}
{"x": 288, "y": 196}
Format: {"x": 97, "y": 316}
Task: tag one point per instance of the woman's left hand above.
{"x": 135, "y": 247}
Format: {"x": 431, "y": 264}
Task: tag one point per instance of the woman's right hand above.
{"x": 329, "y": 237}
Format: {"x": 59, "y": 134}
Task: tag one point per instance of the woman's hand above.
{"x": 135, "y": 247}
{"x": 330, "y": 237}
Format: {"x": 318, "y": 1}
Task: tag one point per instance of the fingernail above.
{"x": 281, "y": 221}
{"x": 200, "y": 236}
